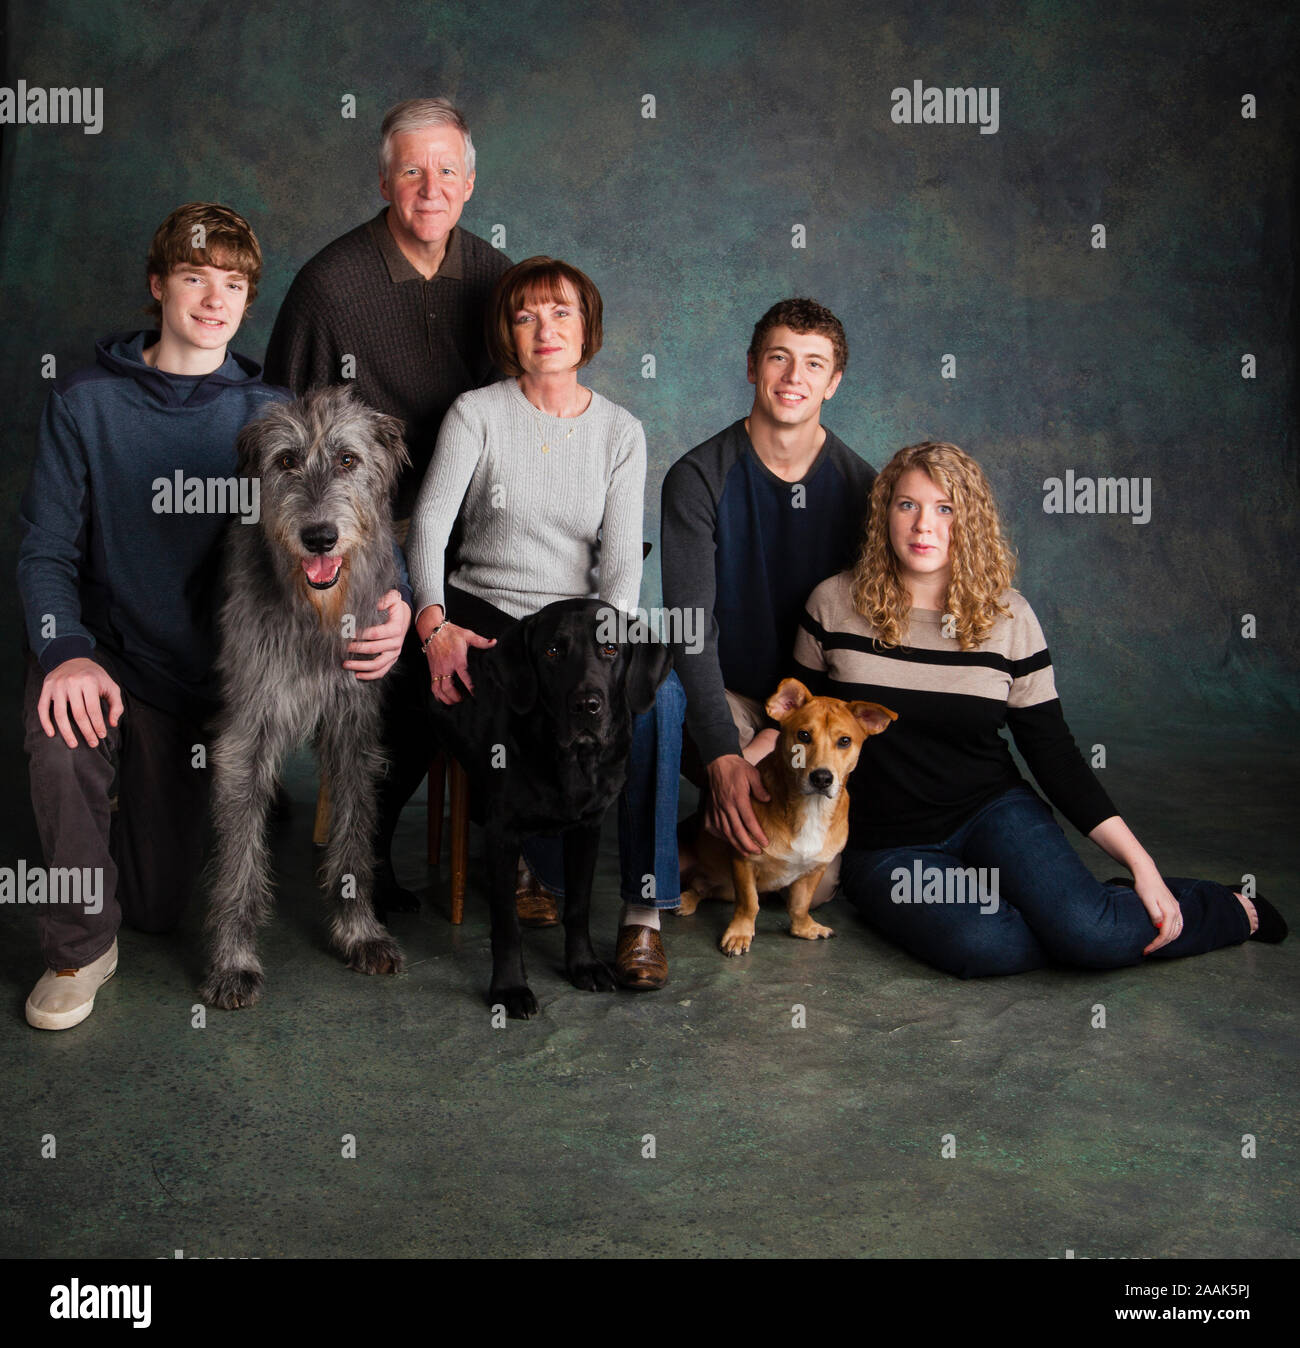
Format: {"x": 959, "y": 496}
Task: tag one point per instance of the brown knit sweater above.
{"x": 415, "y": 345}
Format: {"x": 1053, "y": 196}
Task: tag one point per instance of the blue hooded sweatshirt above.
{"x": 107, "y": 558}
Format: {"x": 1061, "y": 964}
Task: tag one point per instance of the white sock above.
{"x": 635, "y": 915}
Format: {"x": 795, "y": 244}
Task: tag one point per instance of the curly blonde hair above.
{"x": 981, "y": 559}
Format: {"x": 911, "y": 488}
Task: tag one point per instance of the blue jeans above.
{"x": 1048, "y": 908}
{"x": 647, "y": 810}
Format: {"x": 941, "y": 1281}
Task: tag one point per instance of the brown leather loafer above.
{"x": 640, "y": 964}
{"x": 536, "y": 906}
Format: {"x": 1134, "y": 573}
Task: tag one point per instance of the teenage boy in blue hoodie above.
{"x": 118, "y": 583}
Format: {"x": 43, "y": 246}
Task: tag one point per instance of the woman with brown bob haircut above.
{"x": 541, "y": 278}
{"x": 547, "y": 478}
{"x": 951, "y": 854}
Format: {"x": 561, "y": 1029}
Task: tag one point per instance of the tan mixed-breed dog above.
{"x": 806, "y": 821}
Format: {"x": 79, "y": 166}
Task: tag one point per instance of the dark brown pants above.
{"x": 148, "y": 850}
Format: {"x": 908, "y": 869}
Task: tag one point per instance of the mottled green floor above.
{"x": 767, "y": 1139}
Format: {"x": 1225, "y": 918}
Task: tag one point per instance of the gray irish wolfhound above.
{"x": 298, "y": 587}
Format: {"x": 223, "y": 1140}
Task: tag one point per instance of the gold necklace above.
{"x": 546, "y": 448}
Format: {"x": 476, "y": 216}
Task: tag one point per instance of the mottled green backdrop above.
{"x": 926, "y": 240}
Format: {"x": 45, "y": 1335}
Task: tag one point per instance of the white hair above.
{"x": 418, "y": 114}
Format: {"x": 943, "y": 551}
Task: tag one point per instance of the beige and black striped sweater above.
{"x": 944, "y": 757}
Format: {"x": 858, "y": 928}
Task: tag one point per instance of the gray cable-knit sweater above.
{"x": 538, "y": 525}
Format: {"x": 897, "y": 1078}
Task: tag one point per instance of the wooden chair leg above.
{"x": 320, "y": 829}
{"x": 437, "y": 779}
{"x": 459, "y": 839}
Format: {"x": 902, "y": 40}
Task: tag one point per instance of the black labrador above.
{"x": 544, "y": 740}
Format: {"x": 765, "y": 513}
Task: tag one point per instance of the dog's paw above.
{"x": 519, "y": 1002}
{"x": 690, "y": 901}
{"x": 591, "y": 976}
{"x": 809, "y": 930}
{"x": 231, "y": 989}
{"x": 380, "y": 956}
{"x": 736, "y": 940}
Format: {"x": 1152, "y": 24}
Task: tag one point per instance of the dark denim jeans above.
{"x": 1049, "y": 909}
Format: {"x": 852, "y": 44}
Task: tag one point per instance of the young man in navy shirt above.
{"x": 753, "y": 520}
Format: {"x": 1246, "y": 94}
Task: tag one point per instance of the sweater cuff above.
{"x": 62, "y": 649}
{"x": 424, "y": 598}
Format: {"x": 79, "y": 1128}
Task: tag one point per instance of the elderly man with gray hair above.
{"x": 395, "y": 308}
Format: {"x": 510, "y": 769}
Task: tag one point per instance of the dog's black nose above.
{"x": 586, "y": 702}
{"x": 821, "y": 778}
{"x": 319, "y": 538}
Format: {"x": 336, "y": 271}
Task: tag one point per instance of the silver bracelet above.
{"x": 424, "y": 645}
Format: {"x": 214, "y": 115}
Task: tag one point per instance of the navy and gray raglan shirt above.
{"x": 747, "y": 548}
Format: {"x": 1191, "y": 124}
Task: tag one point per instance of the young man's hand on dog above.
{"x": 733, "y": 782}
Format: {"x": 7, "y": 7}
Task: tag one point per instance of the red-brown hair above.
{"x": 534, "y": 279}
{"x": 227, "y": 240}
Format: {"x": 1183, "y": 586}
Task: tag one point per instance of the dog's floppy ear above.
{"x": 247, "y": 452}
{"x": 647, "y": 668}
{"x": 390, "y": 432}
{"x": 388, "y": 435}
{"x": 511, "y": 664}
{"x": 873, "y": 716}
{"x": 790, "y": 695}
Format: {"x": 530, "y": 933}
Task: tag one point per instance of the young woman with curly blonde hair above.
{"x": 951, "y": 853}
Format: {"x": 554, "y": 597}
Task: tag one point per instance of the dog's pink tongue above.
{"x": 321, "y": 570}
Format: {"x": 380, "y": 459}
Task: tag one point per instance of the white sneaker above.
{"x": 65, "y": 998}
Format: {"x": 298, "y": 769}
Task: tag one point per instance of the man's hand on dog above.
{"x": 74, "y": 689}
{"x": 383, "y": 644}
{"x": 732, "y": 782}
